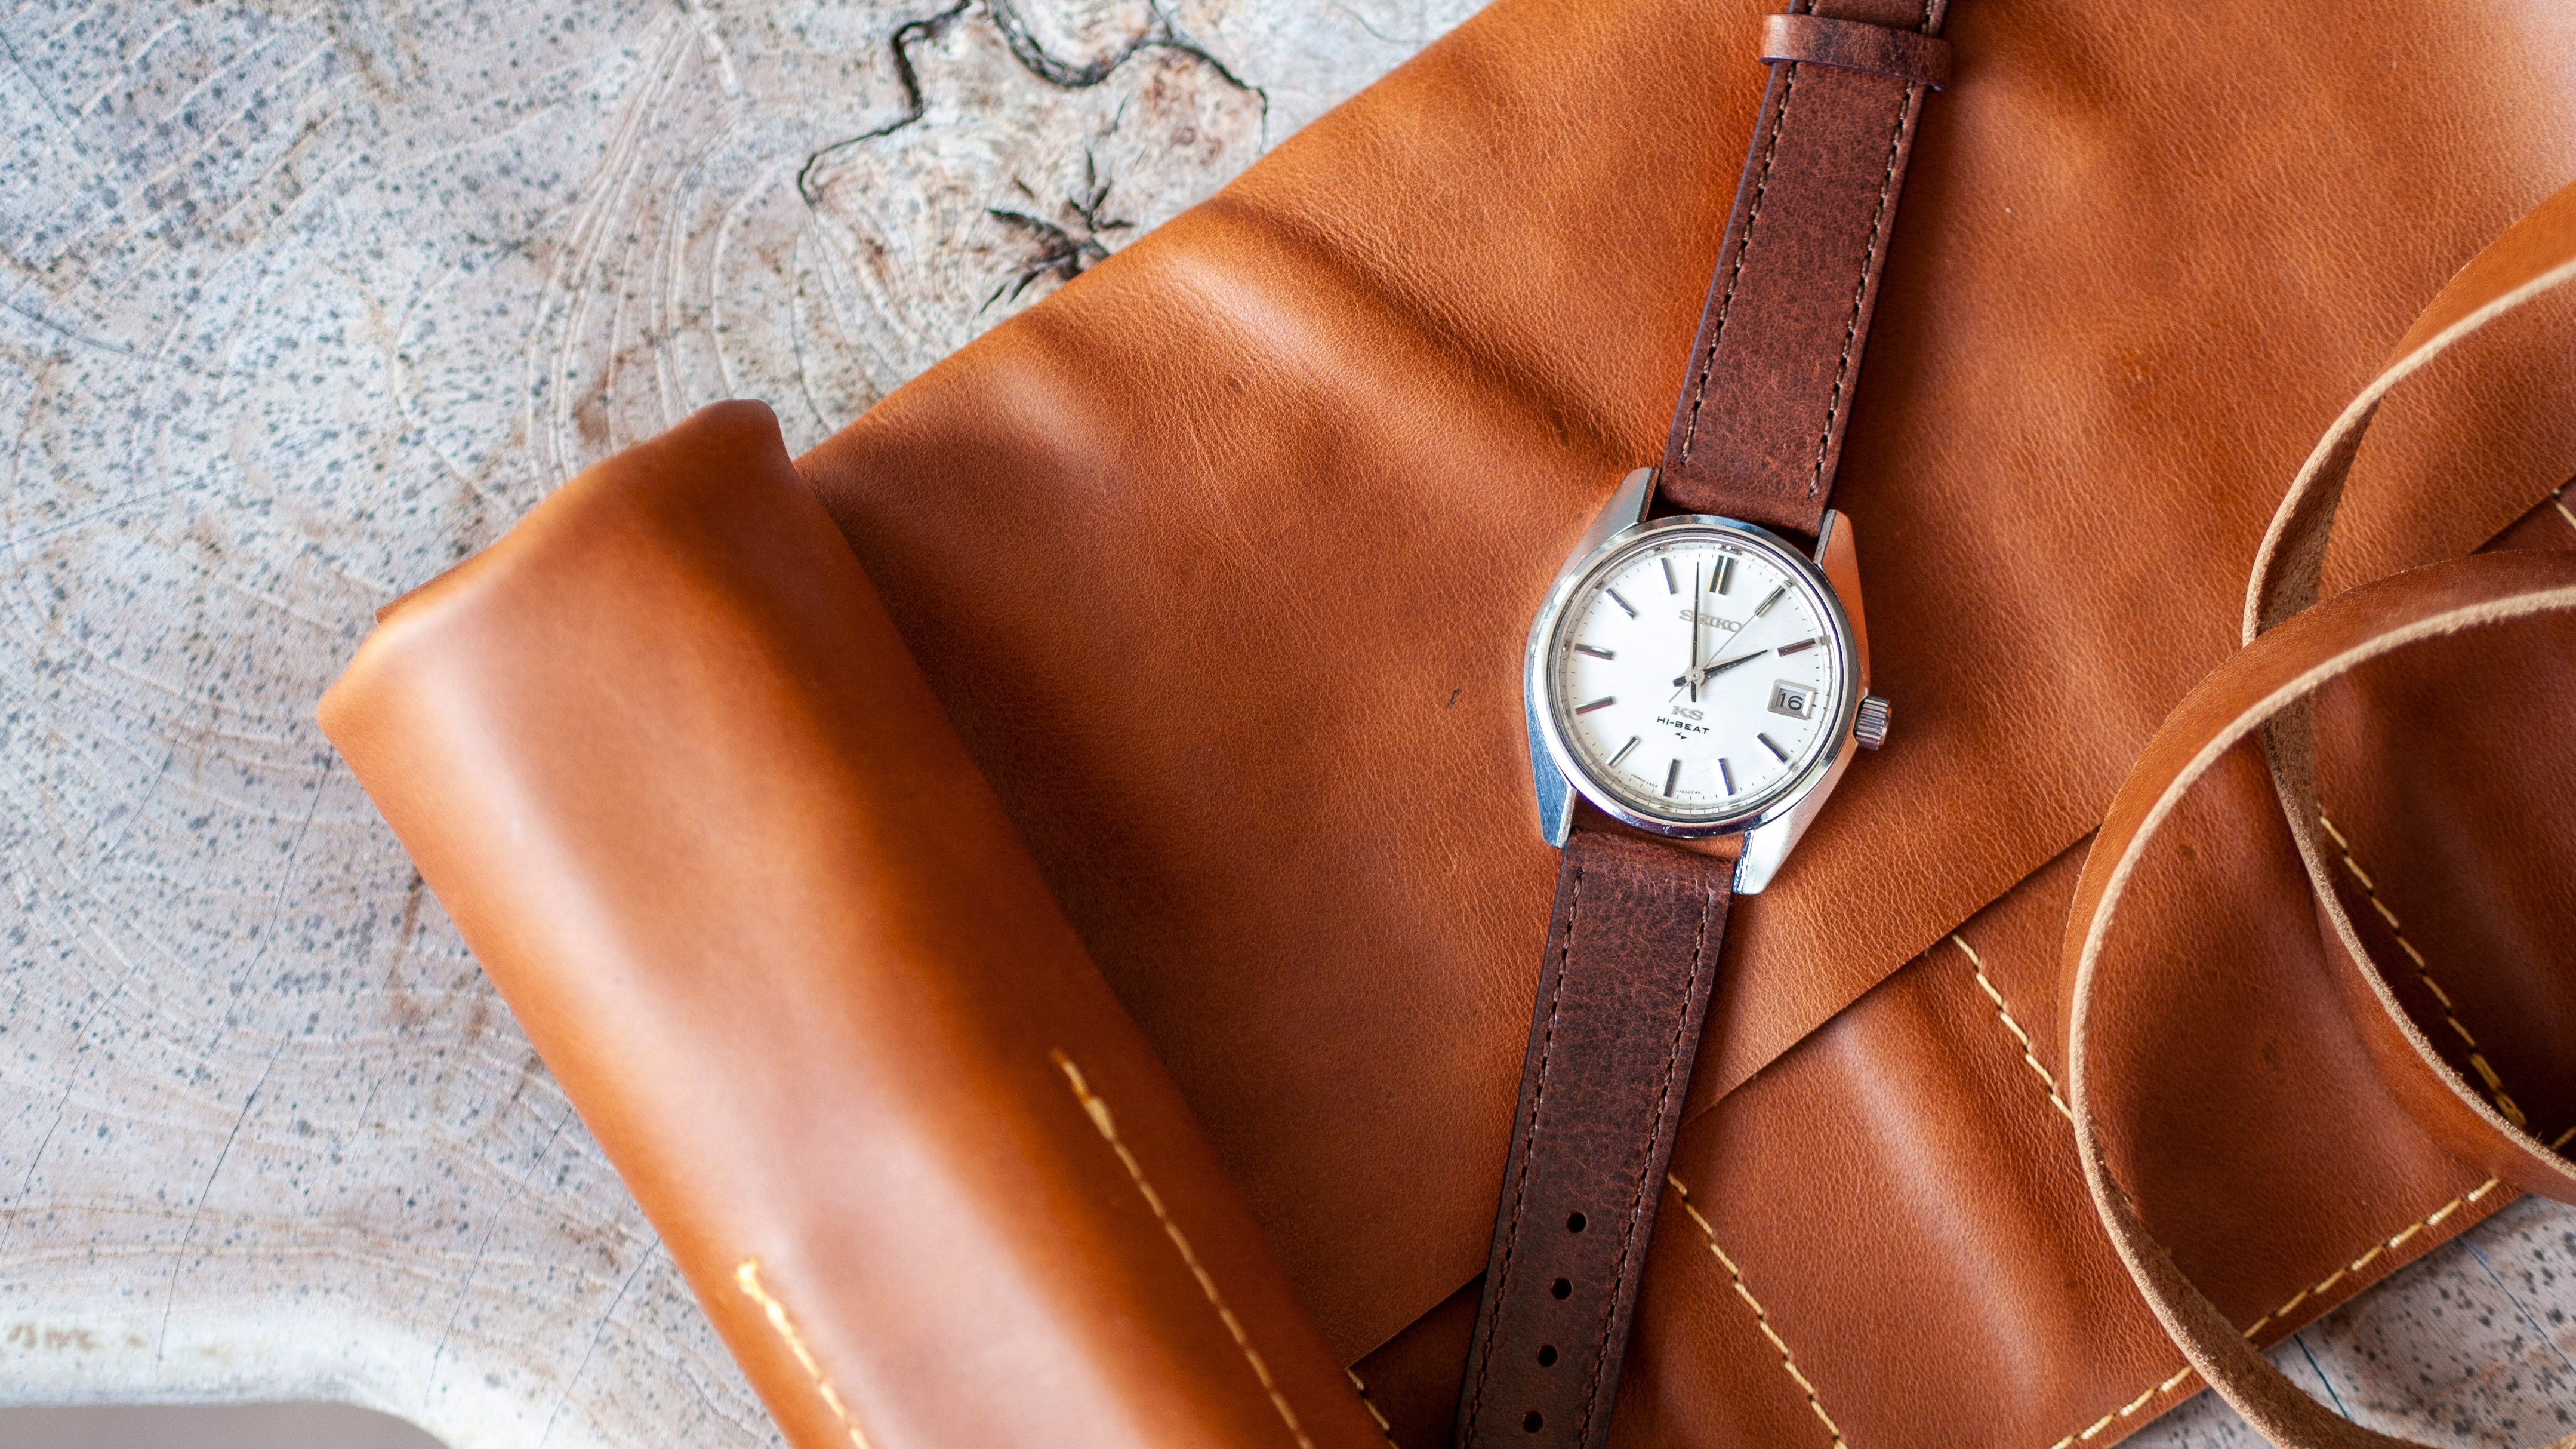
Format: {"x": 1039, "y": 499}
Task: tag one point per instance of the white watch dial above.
{"x": 1697, "y": 674}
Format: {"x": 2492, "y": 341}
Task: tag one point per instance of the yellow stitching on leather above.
{"x": 1385, "y": 1430}
{"x": 2558, "y": 500}
{"x": 1100, "y": 1118}
{"x": 2004, "y": 1013}
{"x": 2429, "y": 1220}
{"x": 2424, "y": 973}
{"x": 2432, "y": 1219}
{"x": 746, "y": 1276}
{"x": 1761, "y": 1319}
{"x": 2085, "y": 1435}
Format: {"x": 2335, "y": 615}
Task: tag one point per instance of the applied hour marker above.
{"x": 1726, "y": 772}
{"x": 1801, "y": 646}
{"x": 1623, "y": 752}
{"x": 1773, "y": 746}
{"x": 1609, "y": 653}
{"x": 1670, "y": 586}
{"x": 1725, "y": 579}
{"x": 1604, "y": 702}
{"x": 1672, "y": 777}
{"x": 1767, "y": 603}
{"x": 1622, "y": 603}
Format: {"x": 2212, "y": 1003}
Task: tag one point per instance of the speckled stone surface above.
{"x": 304, "y": 302}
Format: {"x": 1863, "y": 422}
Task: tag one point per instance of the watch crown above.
{"x": 1870, "y": 729}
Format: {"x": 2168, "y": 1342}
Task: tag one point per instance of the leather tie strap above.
{"x": 2294, "y": 649}
{"x": 2535, "y": 255}
{"x": 1759, "y": 427}
{"x": 1631, "y": 956}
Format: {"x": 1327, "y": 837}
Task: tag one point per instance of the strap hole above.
{"x": 1547, "y": 1355}
{"x": 1562, "y": 1289}
{"x": 1530, "y": 1423}
{"x": 1574, "y": 1223}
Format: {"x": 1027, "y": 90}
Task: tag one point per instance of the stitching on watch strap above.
{"x": 1906, "y": 110}
{"x": 1529, "y": 1138}
{"x": 1637, "y": 1201}
{"x": 1735, "y": 269}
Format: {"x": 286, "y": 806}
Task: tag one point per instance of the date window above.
{"x": 1796, "y": 701}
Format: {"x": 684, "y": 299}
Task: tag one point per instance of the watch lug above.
{"x": 1839, "y": 559}
{"x": 1626, "y": 509}
{"x": 1555, "y": 796}
{"x": 1766, "y": 846}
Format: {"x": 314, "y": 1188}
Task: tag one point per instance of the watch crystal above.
{"x": 1696, "y": 675}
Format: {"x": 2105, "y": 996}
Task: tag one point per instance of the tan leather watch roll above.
{"x": 1699, "y": 672}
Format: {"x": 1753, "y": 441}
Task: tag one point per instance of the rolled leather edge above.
{"x": 662, "y": 756}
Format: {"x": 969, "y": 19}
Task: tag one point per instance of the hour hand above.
{"x": 1698, "y": 677}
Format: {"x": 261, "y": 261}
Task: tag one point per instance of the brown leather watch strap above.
{"x": 1633, "y": 947}
{"x": 1760, "y": 424}
{"x": 1856, "y": 45}
{"x": 1631, "y": 953}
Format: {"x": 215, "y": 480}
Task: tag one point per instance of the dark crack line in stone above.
{"x": 1159, "y": 34}
{"x": 914, "y": 107}
{"x": 2520, "y": 1311}
{"x": 72, "y": 334}
{"x": 2332, "y": 1393}
{"x": 1362, "y": 22}
{"x": 606, "y": 1317}
{"x": 1060, "y": 253}
{"x": 43, "y": 92}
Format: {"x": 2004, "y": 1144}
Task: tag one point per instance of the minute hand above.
{"x": 1698, "y": 677}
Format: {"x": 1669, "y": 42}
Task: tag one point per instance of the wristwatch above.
{"x": 1696, "y": 682}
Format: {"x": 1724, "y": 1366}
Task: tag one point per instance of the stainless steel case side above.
{"x": 1767, "y": 846}
{"x": 1625, "y": 510}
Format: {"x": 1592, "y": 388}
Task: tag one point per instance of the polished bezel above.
{"x": 1539, "y": 680}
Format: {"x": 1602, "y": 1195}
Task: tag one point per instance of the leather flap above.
{"x": 661, "y": 753}
{"x": 1222, "y": 558}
